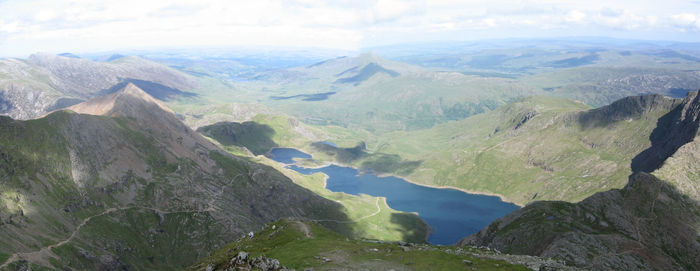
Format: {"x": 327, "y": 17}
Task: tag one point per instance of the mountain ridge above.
{"x": 32, "y": 87}
{"x": 131, "y": 188}
{"x": 652, "y": 223}
{"x": 104, "y": 105}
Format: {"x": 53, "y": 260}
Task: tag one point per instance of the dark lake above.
{"x": 452, "y": 214}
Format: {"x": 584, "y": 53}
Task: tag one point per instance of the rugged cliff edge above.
{"x": 650, "y": 224}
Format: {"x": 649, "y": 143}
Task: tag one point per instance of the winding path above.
{"x": 37, "y": 256}
{"x": 376, "y": 203}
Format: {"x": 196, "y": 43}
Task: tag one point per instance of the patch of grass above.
{"x": 230, "y": 166}
{"x": 4, "y": 257}
{"x": 303, "y": 244}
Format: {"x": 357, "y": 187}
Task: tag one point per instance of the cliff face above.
{"x": 650, "y": 224}
{"x": 130, "y": 187}
{"x": 675, "y": 129}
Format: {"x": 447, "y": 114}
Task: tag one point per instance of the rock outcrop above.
{"x": 673, "y": 130}
{"x": 648, "y": 225}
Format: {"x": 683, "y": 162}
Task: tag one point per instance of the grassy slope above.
{"x": 551, "y": 156}
{"x": 152, "y": 223}
{"x": 300, "y": 245}
{"x": 367, "y": 216}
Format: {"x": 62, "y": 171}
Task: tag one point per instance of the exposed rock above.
{"x": 647, "y": 225}
{"x": 673, "y": 130}
{"x": 242, "y": 261}
{"x": 631, "y": 107}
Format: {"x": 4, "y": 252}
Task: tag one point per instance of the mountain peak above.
{"x": 369, "y": 57}
{"x": 107, "y": 104}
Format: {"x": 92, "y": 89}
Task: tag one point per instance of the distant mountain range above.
{"x": 380, "y": 95}
{"x": 42, "y": 83}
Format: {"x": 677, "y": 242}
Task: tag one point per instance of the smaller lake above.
{"x": 452, "y": 214}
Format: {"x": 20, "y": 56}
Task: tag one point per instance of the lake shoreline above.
{"x": 325, "y": 164}
{"x": 467, "y": 212}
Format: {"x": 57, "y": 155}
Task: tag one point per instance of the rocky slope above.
{"x": 650, "y": 224}
{"x": 43, "y": 82}
{"x": 130, "y": 187}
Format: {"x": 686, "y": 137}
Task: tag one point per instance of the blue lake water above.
{"x": 452, "y": 214}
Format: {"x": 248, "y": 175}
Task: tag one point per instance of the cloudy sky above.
{"x": 28, "y": 26}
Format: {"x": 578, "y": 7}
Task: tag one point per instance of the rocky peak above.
{"x": 631, "y": 107}
{"x": 672, "y": 131}
{"x": 120, "y": 103}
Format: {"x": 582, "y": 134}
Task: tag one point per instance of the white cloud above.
{"x": 575, "y": 16}
{"x": 684, "y": 19}
{"x": 687, "y": 22}
{"x": 75, "y": 25}
{"x": 9, "y": 28}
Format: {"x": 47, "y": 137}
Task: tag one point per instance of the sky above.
{"x": 55, "y": 26}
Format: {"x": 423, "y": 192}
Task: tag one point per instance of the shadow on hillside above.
{"x": 632, "y": 107}
{"x": 158, "y": 91}
{"x": 376, "y": 162}
{"x": 298, "y": 198}
{"x": 390, "y": 163}
{"x": 670, "y": 134}
{"x": 254, "y": 136}
{"x": 413, "y": 228}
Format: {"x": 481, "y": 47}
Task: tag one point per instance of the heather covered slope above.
{"x": 131, "y": 188}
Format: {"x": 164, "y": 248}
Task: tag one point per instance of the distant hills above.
{"x": 380, "y": 95}
{"x": 43, "y": 82}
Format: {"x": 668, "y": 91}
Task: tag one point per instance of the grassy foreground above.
{"x": 303, "y": 244}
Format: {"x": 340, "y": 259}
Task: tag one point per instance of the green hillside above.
{"x": 538, "y": 148}
{"x": 303, "y": 245}
{"x": 131, "y": 188}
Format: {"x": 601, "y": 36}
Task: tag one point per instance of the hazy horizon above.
{"x": 91, "y": 26}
